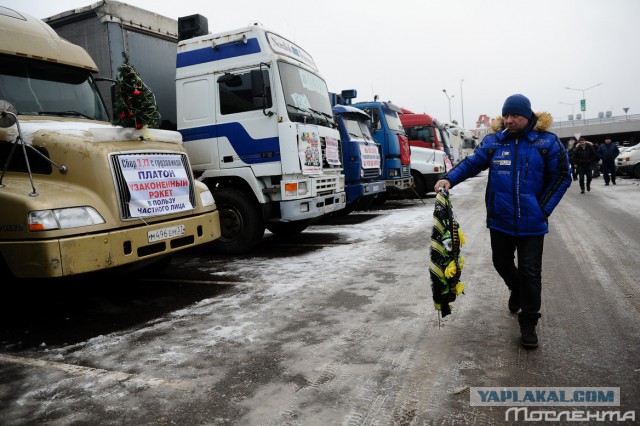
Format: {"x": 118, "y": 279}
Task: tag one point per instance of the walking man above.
{"x": 528, "y": 176}
{"x": 582, "y": 159}
{"x": 608, "y": 152}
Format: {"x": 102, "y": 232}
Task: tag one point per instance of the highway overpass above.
{"x": 622, "y": 129}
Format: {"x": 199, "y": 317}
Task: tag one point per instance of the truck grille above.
{"x": 371, "y": 173}
{"x": 124, "y": 196}
{"x": 324, "y": 185}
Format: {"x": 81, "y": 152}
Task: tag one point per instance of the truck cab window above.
{"x": 237, "y": 94}
{"x": 39, "y": 88}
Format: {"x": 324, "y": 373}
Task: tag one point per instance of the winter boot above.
{"x": 529, "y": 339}
{"x": 514, "y": 302}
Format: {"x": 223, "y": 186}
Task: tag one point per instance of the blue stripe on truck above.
{"x": 250, "y": 150}
{"x": 209, "y": 54}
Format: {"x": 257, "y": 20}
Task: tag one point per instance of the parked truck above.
{"x": 257, "y": 123}
{"x": 389, "y": 133}
{"x": 429, "y": 159}
{"x": 251, "y": 106}
{"x": 361, "y": 157}
{"x": 79, "y": 194}
{"x": 427, "y": 132}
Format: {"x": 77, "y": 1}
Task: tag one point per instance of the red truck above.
{"x": 429, "y": 150}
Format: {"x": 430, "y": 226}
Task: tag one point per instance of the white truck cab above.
{"x": 257, "y": 123}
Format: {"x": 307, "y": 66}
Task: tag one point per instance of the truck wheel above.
{"x": 380, "y": 199}
{"x": 636, "y": 171}
{"x": 365, "y": 203}
{"x": 241, "y": 222}
{"x": 419, "y": 185}
{"x": 287, "y": 229}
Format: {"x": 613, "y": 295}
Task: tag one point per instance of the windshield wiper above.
{"x": 322, "y": 113}
{"x": 66, "y": 114}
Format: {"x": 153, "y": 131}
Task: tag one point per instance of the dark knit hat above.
{"x": 517, "y": 104}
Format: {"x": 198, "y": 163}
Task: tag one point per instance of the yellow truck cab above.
{"x": 78, "y": 194}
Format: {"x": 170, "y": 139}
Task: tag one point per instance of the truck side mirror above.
{"x": 7, "y": 114}
{"x": 258, "y": 91}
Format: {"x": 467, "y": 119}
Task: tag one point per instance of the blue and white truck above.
{"x": 387, "y": 130}
{"x": 361, "y": 157}
{"x": 255, "y": 116}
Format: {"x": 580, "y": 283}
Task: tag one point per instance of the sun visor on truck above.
{"x": 192, "y": 26}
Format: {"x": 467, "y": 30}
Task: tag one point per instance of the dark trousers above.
{"x": 609, "y": 170}
{"x": 526, "y": 278}
{"x": 585, "y": 170}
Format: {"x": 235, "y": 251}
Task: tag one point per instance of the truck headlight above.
{"x": 71, "y": 217}
{"x": 206, "y": 198}
{"x": 293, "y": 189}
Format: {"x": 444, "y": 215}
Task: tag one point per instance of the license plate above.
{"x": 166, "y": 233}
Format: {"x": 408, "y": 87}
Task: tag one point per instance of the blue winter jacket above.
{"x": 608, "y": 152}
{"x": 528, "y": 175}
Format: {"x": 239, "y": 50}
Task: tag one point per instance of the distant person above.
{"x": 582, "y": 159}
{"x": 528, "y": 176}
{"x": 572, "y": 144}
{"x": 608, "y": 152}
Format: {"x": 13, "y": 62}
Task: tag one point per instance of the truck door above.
{"x": 246, "y": 131}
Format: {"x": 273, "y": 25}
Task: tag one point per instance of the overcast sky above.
{"x": 408, "y": 51}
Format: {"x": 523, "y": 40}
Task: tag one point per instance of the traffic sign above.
{"x": 583, "y": 105}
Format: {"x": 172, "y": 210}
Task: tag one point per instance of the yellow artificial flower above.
{"x": 451, "y": 270}
{"x": 461, "y": 262}
{"x": 463, "y": 240}
{"x": 459, "y": 288}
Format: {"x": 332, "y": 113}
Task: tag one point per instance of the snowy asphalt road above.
{"x": 336, "y": 327}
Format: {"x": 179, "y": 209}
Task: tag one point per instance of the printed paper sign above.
{"x": 158, "y": 184}
{"x": 332, "y": 151}
{"x": 309, "y": 150}
{"x": 370, "y": 157}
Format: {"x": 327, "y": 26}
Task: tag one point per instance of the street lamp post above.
{"x": 449, "y": 99}
{"x": 462, "y": 103}
{"x": 583, "y": 99}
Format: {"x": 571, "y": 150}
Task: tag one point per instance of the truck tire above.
{"x": 420, "y": 186}
{"x": 365, "y": 203}
{"x": 241, "y": 222}
{"x": 381, "y": 199}
{"x": 287, "y": 229}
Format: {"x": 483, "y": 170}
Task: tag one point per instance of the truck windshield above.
{"x": 393, "y": 121}
{"x": 357, "y": 128}
{"x": 305, "y": 94}
{"x": 45, "y": 88}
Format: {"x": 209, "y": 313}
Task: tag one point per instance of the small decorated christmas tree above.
{"x": 135, "y": 104}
